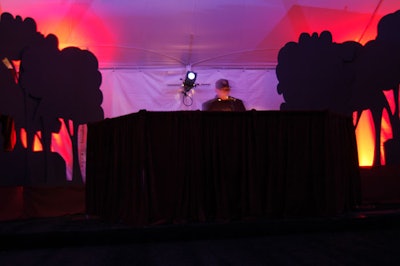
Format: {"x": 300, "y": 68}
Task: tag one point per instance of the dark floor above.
{"x": 368, "y": 236}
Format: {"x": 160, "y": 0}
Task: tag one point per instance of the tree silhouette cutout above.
{"x": 81, "y": 104}
{"x": 52, "y": 87}
{"x": 387, "y": 49}
{"x": 317, "y": 74}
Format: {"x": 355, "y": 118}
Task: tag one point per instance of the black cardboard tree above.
{"x": 317, "y": 74}
{"x": 388, "y": 45}
{"x": 51, "y": 85}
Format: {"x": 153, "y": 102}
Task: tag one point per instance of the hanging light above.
{"x": 189, "y": 82}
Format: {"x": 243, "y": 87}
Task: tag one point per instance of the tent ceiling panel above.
{"x": 200, "y": 33}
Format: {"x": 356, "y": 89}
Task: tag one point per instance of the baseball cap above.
{"x": 222, "y": 83}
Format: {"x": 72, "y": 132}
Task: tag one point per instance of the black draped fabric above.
{"x": 191, "y": 166}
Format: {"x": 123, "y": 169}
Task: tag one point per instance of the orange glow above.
{"x": 23, "y": 138}
{"x": 365, "y": 139}
{"x": 344, "y": 25}
{"x": 66, "y": 37}
{"x": 75, "y": 23}
{"x": 61, "y": 143}
{"x": 37, "y": 144}
{"x": 386, "y": 134}
{"x": 365, "y": 134}
{"x": 79, "y": 27}
{"x": 71, "y": 127}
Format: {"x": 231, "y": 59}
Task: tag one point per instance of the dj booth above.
{"x": 191, "y": 166}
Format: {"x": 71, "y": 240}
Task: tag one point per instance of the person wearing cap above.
{"x": 223, "y": 101}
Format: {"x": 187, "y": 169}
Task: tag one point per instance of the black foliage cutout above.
{"x": 51, "y": 86}
{"x": 318, "y": 74}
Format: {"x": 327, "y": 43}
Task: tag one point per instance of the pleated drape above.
{"x": 191, "y": 166}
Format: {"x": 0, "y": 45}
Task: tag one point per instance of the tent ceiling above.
{"x": 200, "y": 33}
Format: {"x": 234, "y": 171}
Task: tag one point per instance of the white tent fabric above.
{"x": 126, "y": 91}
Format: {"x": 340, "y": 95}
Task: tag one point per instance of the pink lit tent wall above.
{"x": 145, "y": 47}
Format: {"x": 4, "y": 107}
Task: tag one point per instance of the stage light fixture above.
{"x": 189, "y": 81}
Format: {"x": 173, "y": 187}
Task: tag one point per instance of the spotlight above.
{"x": 189, "y": 81}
